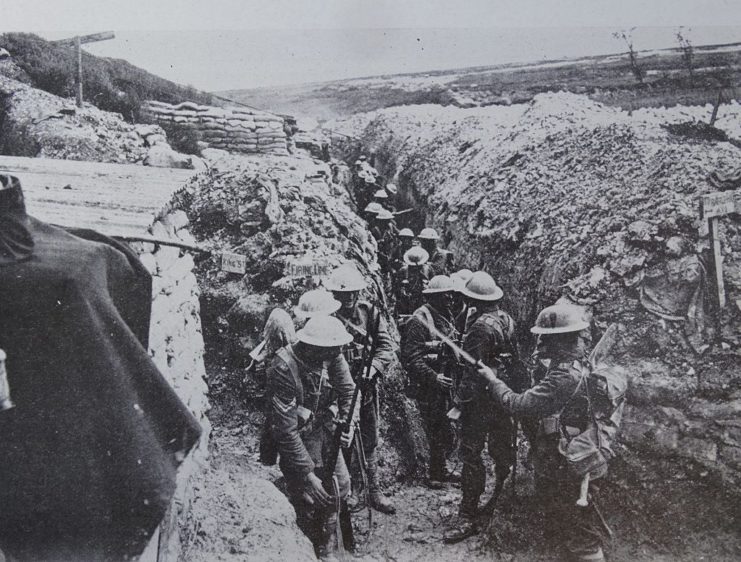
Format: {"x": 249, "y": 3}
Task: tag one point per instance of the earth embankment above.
{"x": 566, "y": 197}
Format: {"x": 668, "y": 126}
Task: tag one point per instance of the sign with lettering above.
{"x": 719, "y": 204}
{"x": 307, "y": 267}
{"x": 233, "y": 263}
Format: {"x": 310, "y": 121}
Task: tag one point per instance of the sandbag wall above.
{"x": 176, "y": 346}
{"x": 236, "y": 129}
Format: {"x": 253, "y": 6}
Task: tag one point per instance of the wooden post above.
{"x": 713, "y": 224}
{"x": 76, "y": 42}
{"x": 718, "y": 101}
{"x": 78, "y": 46}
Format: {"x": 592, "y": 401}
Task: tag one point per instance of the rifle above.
{"x": 370, "y": 341}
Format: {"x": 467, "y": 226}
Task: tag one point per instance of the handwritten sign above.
{"x": 719, "y": 204}
{"x": 233, "y": 263}
{"x": 307, "y": 267}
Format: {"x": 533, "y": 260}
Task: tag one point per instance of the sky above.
{"x": 332, "y": 14}
{"x": 229, "y": 44}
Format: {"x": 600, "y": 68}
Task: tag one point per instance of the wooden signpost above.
{"x": 77, "y": 43}
{"x": 712, "y": 207}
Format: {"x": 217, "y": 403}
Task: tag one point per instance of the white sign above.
{"x": 233, "y": 263}
{"x": 307, "y": 267}
{"x": 718, "y": 204}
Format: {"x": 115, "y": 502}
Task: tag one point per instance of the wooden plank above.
{"x": 92, "y": 38}
{"x": 116, "y": 199}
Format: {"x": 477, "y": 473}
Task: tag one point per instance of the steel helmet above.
{"x": 416, "y": 255}
{"x": 391, "y": 188}
{"x": 561, "y": 319}
{"x": 428, "y": 234}
{"x": 358, "y": 162}
{"x": 381, "y": 194}
{"x": 460, "y": 278}
{"x": 406, "y": 233}
{"x": 315, "y": 303}
{"x": 373, "y": 208}
{"x": 464, "y": 274}
{"x": 438, "y": 284}
{"x": 324, "y": 331}
{"x": 384, "y": 215}
{"x": 482, "y": 287}
{"x": 345, "y": 278}
{"x": 363, "y": 157}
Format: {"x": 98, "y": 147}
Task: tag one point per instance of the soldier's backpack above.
{"x": 604, "y": 386}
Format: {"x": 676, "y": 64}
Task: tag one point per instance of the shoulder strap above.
{"x": 286, "y": 354}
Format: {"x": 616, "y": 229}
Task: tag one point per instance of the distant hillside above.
{"x": 608, "y": 79}
{"x": 110, "y": 84}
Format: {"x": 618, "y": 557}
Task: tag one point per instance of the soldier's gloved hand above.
{"x": 444, "y": 382}
{"x": 347, "y": 436}
{"x": 314, "y": 492}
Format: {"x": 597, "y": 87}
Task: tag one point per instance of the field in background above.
{"x": 607, "y": 79}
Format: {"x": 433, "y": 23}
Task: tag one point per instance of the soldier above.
{"x": 318, "y": 302}
{"x": 392, "y": 192}
{"x": 563, "y": 343}
{"x": 404, "y": 241}
{"x": 438, "y": 259}
{"x": 308, "y": 383}
{"x": 385, "y": 233}
{"x": 381, "y": 197}
{"x": 460, "y": 308}
{"x": 369, "y": 213}
{"x": 424, "y": 362}
{"x": 410, "y": 281}
{"x": 490, "y": 335}
{"x": 346, "y": 283}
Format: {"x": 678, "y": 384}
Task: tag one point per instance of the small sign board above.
{"x": 233, "y": 263}
{"x": 719, "y": 204}
{"x": 307, "y": 267}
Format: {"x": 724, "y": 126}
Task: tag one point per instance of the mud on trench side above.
{"x": 566, "y": 197}
{"x": 272, "y": 210}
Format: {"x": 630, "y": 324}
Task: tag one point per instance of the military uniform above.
{"x": 438, "y": 262}
{"x": 326, "y": 390}
{"x": 358, "y": 322}
{"x": 433, "y": 401}
{"x": 410, "y": 281}
{"x": 488, "y": 337}
{"x": 554, "y": 402}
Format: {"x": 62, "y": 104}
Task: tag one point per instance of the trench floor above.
{"x": 660, "y": 510}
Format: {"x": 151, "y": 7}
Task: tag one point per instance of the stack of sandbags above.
{"x": 234, "y": 129}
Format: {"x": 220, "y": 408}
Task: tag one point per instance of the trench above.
{"x": 247, "y": 516}
{"x": 659, "y": 494}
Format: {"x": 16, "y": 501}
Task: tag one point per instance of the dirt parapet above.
{"x": 565, "y": 196}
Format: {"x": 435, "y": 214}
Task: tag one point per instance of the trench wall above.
{"x": 176, "y": 347}
{"x": 563, "y": 197}
{"x": 238, "y": 129}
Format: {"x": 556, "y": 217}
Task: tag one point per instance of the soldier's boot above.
{"x": 464, "y": 525}
{"x": 438, "y": 472}
{"x": 378, "y": 501}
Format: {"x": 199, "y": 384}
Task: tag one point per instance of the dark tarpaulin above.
{"x": 89, "y": 453}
